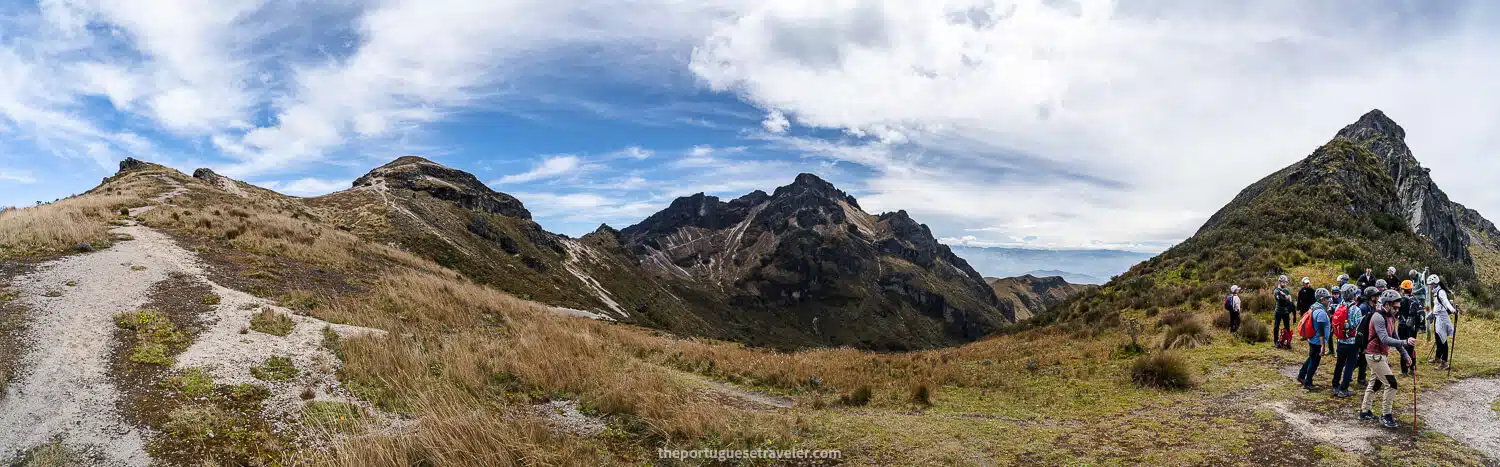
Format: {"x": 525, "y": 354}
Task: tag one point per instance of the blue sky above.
{"x": 1041, "y": 124}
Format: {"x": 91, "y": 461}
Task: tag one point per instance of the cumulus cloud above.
{"x": 550, "y": 167}
{"x": 775, "y": 122}
{"x": 1139, "y": 119}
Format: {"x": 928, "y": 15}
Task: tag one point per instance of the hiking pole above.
{"x": 1452, "y": 345}
{"x": 1413, "y": 394}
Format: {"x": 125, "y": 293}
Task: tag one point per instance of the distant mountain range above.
{"x": 1075, "y": 266}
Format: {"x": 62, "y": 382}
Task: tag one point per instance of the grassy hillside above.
{"x": 477, "y": 372}
{"x": 1330, "y": 208}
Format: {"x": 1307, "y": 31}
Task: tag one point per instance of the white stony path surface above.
{"x": 1462, "y": 411}
{"x": 62, "y": 389}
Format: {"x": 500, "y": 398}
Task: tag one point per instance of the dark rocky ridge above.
{"x": 808, "y": 247}
{"x": 422, "y": 175}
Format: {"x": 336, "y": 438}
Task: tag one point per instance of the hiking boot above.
{"x": 1366, "y": 415}
{"x": 1444, "y": 366}
{"x": 1345, "y": 393}
{"x": 1364, "y": 384}
{"x": 1389, "y": 421}
{"x": 1309, "y": 388}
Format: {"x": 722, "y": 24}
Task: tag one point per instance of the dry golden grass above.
{"x": 467, "y": 346}
{"x": 51, "y": 228}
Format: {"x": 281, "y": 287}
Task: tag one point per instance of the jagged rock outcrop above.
{"x": 422, "y": 175}
{"x": 851, "y": 278}
{"x": 1425, "y": 207}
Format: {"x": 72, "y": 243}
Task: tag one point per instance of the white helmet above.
{"x": 1306, "y": 280}
{"x": 1234, "y": 289}
{"x": 1391, "y": 270}
{"x": 1433, "y": 280}
{"x": 1283, "y": 279}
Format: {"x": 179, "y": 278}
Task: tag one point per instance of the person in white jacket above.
{"x": 1443, "y": 313}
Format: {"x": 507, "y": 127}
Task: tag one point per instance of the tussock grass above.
{"x": 276, "y": 368}
{"x": 1187, "y": 335}
{"x": 1254, "y": 331}
{"x": 57, "y": 227}
{"x": 272, "y": 322}
{"x": 1165, "y": 370}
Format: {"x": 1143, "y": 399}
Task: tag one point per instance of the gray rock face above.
{"x": 418, "y": 174}
{"x": 1426, "y": 208}
{"x": 1481, "y": 231}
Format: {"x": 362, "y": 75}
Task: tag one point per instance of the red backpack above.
{"x": 1305, "y": 328}
{"x": 1339, "y": 317}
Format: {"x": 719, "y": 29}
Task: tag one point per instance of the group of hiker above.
{"x": 1360, "y": 323}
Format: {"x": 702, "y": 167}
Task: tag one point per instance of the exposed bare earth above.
{"x": 1462, "y": 411}
{"x": 63, "y": 389}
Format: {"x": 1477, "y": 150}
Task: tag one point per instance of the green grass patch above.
{"x": 272, "y": 322}
{"x": 277, "y": 368}
{"x": 156, "y": 338}
{"x": 195, "y": 382}
{"x": 53, "y": 454}
{"x": 210, "y": 300}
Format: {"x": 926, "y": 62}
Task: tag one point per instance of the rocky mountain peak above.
{"x": 808, "y": 185}
{"x": 442, "y": 182}
{"x": 1371, "y": 125}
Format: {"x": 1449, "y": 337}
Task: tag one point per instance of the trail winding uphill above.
{"x": 1462, "y": 411}
{"x": 63, "y": 391}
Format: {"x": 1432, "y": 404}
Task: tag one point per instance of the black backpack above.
{"x": 1362, "y": 336}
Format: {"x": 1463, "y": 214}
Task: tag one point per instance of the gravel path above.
{"x": 62, "y": 389}
{"x": 1462, "y": 411}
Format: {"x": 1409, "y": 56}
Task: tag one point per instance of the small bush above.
{"x": 270, "y": 322}
{"x": 1186, "y": 335}
{"x": 277, "y": 368}
{"x": 210, "y": 300}
{"x": 1174, "y": 317}
{"x": 1254, "y": 331}
{"x": 1165, "y": 370}
{"x": 921, "y": 395}
{"x": 333, "y": 417}
{"x": 859, "y": 398}
{"x": 1221, "y": 320}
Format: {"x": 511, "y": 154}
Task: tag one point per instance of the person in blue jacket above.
{"x": 1320, "y": 320}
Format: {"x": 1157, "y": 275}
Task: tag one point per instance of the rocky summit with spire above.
{"x": 1361, "y": 200}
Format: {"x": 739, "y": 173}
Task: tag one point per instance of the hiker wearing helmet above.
{"x": 1407, "y": 321}
{"x": 1284, "y": 309}
{"x": 1319, "y": 317}
{"x": 1367, "y": 280}
{"x": 1419, "y": 297}
{"x": 1443, "y": 315}
{"x": 1381, "y": 285}
{"x": 1348, "y": 352}
{"x": 1383, "y": 336}
{"x": 1390, "y": 278}
{"x": 1305, "y": 297}
{"x": 1232, "y": 305}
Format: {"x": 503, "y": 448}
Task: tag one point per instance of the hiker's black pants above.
{"x": 1343, "y": 368}
{"x": 1442, "y": 350}
{"x": 1310, "y": 367}
{"x": 1234, "y": 321}
{"x": 1281, "y": 317}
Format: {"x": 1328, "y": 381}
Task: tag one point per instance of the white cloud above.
{"x": 306, "y": 186}
{"x": 550, "y": 167}
{"x": 775, "y": 122}
{"x": 634, "y": 152}
{"x": 1135, "y": 121}
{"x": 17, "y": 175}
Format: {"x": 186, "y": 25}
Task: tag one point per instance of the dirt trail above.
{"x": 1462, "y": 411}
{"x": 63, "y": 389}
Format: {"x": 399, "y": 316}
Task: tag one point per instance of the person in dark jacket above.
{"x": 1367, "y": 280}
{"x": 1305, "y": 298}
{"x": 1392, "y": 281}
{"x": 1284, "y": 310}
